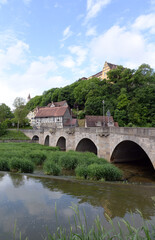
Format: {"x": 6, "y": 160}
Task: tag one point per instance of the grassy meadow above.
{"x": 14, "y": 135}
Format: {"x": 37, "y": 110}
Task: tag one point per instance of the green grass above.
{"x": 122, "y": 230}
{"x": 23, "y": 156}
{"x": 14, "y": 135}
{"x": 79, "y": 229}
{"x": 86, "y": 165}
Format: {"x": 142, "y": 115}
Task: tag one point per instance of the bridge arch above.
{"x": 35, "y": 138}
{"x": 61, "y": 143}
{"x": 130, "y": 151}
{"x": 86, "y": 145}
{"x": 47, "y": 140}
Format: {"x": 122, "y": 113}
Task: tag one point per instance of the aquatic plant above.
{"x": 68, "y": 161}
{"x": 4, "y": 164}
{"x": 106, "y": 171}
{"x": 82, "y": 171}
{"x": 21, "y": 165}
{"x": 37, "y": 157}
{"x": 123, "y": 230}
{"x": 52, "y": 168}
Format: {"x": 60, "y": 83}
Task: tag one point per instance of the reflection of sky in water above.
{"x": 31, "y": 202}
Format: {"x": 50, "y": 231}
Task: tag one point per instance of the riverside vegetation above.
{"x": 24, "y": 157}
{"x": 123, "y": 230}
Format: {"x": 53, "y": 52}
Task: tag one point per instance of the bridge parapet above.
{"x": 140, "y": 132}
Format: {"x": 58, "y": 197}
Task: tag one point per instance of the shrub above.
{"x": 38, "y": 157}
{"x": 26, "y": 166}
{"x": 55, "y": 156}
{"x": 106, "y": 171}
{"x": 68, "y": 161}
{"x": 22, "y": 165}
{"x": 3, "y": 128}
{"x": 112, "y": 173}
{"x": 4, "y": 165}
{"x": 15, "y": 164}
{"x": 51, "y": 168}
{"x": 102, "y": 161}
{"x": 82, "y": 171}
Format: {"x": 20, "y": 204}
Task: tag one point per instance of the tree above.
{"x": 5, "y": 112}
{"x": 20, "y": 111}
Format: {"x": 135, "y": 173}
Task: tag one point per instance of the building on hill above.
{"x": 54, "y": 115}
{"x": 58, "y": 104}
{"x": 100, "y": 121}
{"x": 103, "y": 74}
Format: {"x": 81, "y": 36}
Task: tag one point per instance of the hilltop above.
{"x": 129, "y": 95}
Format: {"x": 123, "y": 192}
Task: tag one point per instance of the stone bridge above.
{"x": 114, "y": 144}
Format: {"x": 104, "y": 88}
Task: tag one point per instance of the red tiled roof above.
{"x": 92, "y": 120}
{"x": 58, "y": 104}
{"x": 97, "y": 74}
{"x": 51, "y": 112}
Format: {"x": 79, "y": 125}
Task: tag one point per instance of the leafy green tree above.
{"x": 5, "y": 112}
{"x": 94, "y": 106}
{"x": 20, "y": 111}
{"x": 33, "y": 103}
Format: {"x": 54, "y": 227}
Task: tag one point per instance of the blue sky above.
{"x": 52, "y": 43}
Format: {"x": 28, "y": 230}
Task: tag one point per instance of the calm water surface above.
{"x": 31, "y": 203}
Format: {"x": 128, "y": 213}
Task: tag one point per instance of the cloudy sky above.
{"x": 52, "y": 43}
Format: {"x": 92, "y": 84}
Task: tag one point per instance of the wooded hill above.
{"x": 129, "y": 95}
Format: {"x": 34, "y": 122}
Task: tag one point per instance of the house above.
{"x": 58, "y": 104}
{"x": 31, "y": 115}
{"x": 55, "y": 115}
{"x": 103, "y": 74}
{"x": 100, "y": 121}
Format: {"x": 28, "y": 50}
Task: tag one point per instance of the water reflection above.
{"x": 31, "y": 201}
{"x": 115, "y": 199}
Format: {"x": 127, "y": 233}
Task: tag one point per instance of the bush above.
{"x": 51, "y": 168}
{"x": 55, "y": 156}
{"x": 102, "y": 161}
{"x": 37, "y": 157}
{"x": 26, "y": 166}
{"x": 15, "y": 164}
{"x": 4, "y": 165}
{"x": 112, "y": 173}
{"x": 3, "y": 128}
{"x": 22, "y": 165}
{"x": 106, "y": 171}
{"x": 82, "y": 171}
{"x": 68, "y": 161}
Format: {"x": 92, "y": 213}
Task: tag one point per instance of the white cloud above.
{"x": 94, "y": 7}
{"x": 13, "y": 55}
{"x": 80, "y": 53}
{"x": 68, "y": 62}
{"x": 123, "y": 46}
{"x": 67, "y": 33}
{"x": 91, "y": 31}
{"x": 145, "y": 22}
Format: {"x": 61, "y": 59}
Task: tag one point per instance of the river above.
{"x": 30, "y": 202}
